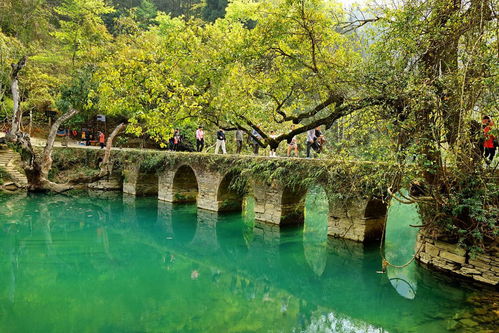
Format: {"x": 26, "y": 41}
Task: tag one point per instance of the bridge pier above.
{"x": 139, "y": 183}
{"x": 210, "y": 189}
{"x": 277, "y": 204}
{"x": 359, "y": 220}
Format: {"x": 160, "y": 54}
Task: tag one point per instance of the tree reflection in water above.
{"x": 315, "y": 229}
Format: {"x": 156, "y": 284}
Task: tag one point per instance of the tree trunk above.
{"x": 30, "y": 127}
{"x": 37, "y": 167}
{"x": 47, "y": 151}
{"x": 16, "y": 114}
{"x": 104, "y": 170}
{"x": 104, "y": 167}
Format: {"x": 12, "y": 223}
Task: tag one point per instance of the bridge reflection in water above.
{"x": 318, "y": 282}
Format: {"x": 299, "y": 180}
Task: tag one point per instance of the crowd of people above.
{"x": 314, "y": 143}
{"x": 86, "y": 137}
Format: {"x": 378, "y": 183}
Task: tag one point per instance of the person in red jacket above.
{"x": 488, "y": 144}
{"x": 102, "y": 140}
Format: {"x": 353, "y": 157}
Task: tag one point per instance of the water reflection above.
{"x": 315, "y": 229}
{"x": 399, "y": 247}
{"x": 165, "y": 219}
{"x": 205, "y": 238}
{"x": 138, "y": 265}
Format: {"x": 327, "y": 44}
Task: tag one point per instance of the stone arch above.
{"x": 228, "y": 198}
{"x": 359, "y": 218}
{"x": 293, "y": 205}
{"x": 184, "y": 184}
{"x": 374, "y": 217}
{"x": 277, "y": 204}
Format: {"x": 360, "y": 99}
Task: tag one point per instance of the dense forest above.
{"x": 407, "y": 82}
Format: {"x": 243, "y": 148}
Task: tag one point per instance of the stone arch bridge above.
{"x": 278, "y": 186}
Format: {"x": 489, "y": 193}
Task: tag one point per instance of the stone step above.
{"x": 7, "y": 162}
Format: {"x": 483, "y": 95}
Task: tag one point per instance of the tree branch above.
{"x": 332, "y": 99}
{"x": 47, "y": 151}
{"x": 104, "y": 168}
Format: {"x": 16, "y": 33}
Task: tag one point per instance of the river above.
{"x": 107, "y": 263}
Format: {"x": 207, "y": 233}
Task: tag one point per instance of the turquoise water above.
{"x": 120, "y": 264}
{"x": 400, "y": 246}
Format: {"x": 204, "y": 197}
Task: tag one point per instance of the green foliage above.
{"x": 411, "y": 94}
{"x": 69, "y": 163}
{"x": 435, "y": 56}
{"x": 469, "y": 214}
{"x": 76, "y": 94}
{"x": 214, "y": 9}
{"x": 146, "y": 13}
{"x": 81, "y": 25}
{"x": 27, "y": 20}
{"x": 11, "y": 50}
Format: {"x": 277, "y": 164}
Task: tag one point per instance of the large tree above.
{"x": 266, "y": 65}
{"x": 438, "y": 56}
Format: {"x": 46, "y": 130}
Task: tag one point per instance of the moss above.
{"x": 343, "y": 179}
{"x": 4, "y": 176}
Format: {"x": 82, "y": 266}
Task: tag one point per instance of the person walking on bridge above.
{"x": 239, "y": 140}
{"x": 83, "y": 137}
{"x": 199, "y": 139}
{"x": 176, "y": 139}
{"x": 102, "y": 140}
{"x": 254, "y": 137}
{"x": 273, "y": 151}
{"x": 220, "y": 141}
{"x": 310, "y": 141}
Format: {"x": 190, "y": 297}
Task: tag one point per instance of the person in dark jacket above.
{"x": 220, "y": 141}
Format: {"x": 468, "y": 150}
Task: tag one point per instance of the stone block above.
{"x": 478, "y": 263}
{"x": 484, "y": 258}
{"x": 424, "y": 258}
{"x": 431, "y": 250}
{"x": 452, "y": 257}
{"x": 444, "y": 264}
{"x": 469, "y": 271}
{"x": 451, "y": 248}
{"x": 485, "y": 280}
{"x": 490, "y": 276}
